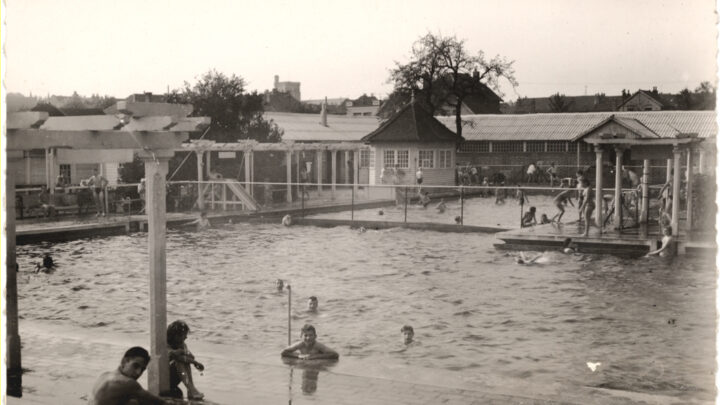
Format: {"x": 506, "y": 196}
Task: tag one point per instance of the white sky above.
{"x": 344, "y": 49}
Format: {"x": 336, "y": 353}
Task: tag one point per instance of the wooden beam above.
{"x": 12, "y": 332}
{"x": 26, "y": 139}
{"x": 676, "y": 191}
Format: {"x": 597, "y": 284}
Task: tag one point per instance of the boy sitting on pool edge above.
{"x": 309, "y": 348}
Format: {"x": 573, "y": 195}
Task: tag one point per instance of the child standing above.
{"x": 181, "y": 359}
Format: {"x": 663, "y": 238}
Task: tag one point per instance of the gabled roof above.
{"x": 631, "y": 124}
{"x": 307, "y": 127}
{"x": 664, "y": 101}
{"x": 48, "y": 108}
{"x": 412, "y": 124}
{"x": 567, "y": 126}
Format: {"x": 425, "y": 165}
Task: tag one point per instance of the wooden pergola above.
{"x": 156, "y": 130}
{"x": 621, "y": 134}
{"x": 202, "y": 149}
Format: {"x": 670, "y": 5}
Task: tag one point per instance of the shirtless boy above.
{"x": 309, "y": 348}
{"x": 120, "y": 387}
{"x": 560, "y": 201}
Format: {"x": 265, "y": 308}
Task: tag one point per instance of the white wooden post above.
{"x": 346, "y": 172}
{"x": 156, "y": 167}
{"x": 356, "y": 169}
{"x": 645, "y": 191}
{"x": 689, "y": 189}
{"x": 319, "y": 156}
{"x": 676, "y": 190}
{"x": 200, "y": 199}
{"x": 617, "y": 217}
{"x": 598, "y": 187}
{"x": 668, "y": 171}
{"x": 333, "y": 171}
{"x": 701, "y": 161}
{"x": 289, "y": 175}
{"x": 248, "y": 156}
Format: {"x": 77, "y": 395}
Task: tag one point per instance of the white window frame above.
{"x": 427, "y": 161}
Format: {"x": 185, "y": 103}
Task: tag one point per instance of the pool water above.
{"x": 476, "y": 211}
{"x": 651, "y": 323}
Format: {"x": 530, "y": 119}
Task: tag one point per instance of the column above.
{"x": 346, "y": 172}
{"x": 701, "y": 161}
{"x": 208, "y": 166}
{"x": 598, "y": 186}
{"x": 288, "y": 163}
{"x": 12, "y": 333}
{"x": 248, "y": 158}
{"x": 297, "y": 171}
{"x": 617, "y": 219}
{"x": 200, "y": 199}
{"x": 676, "y": 190}
{"x": 319, "y": 156}
{"x": 356, "y": 169}
{"x": 689, "y": 190}
{"x": 333, "y": 169}
{"x": 156, "y": 168}
{"x": 668, "y": 172}
{"x": 645, "y": 191}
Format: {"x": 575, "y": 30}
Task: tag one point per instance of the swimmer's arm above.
{"x": 290, "y": 350}
{"x": 324, "y": 352}
{"x": 136, "y": 391}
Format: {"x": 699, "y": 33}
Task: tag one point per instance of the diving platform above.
{"x": 631, "y": 242}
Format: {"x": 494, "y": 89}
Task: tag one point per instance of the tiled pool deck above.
{"x": 64, "y": 366}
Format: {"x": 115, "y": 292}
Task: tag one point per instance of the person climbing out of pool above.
{"x": 287, "y": 220}
{"x": 588, "y": 205}
{"x": 202, "y": 222}
{"x": 408, "y": 334}
{"x": 279, "y": 285}
{"x": 666, "y": 246}
{"x": 567, "y": 248}
{"x": 441, "y": 207}
{"x": 121, "y": 386}
{"x": 544, "y": 219}
{"x": 560, "y": 201}
{"x": 309, "y": 348}
{"x": 312, "y": 304}
{"x": 180, "y": 361}
{"x": 528, "y": 218}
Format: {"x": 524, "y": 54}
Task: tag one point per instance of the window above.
{"x": 426, "y": 159}
{"x": 403, "y": 158}
{"x": 65, "y": 172}
{"x": 367, "y": 158}
{"x": 389, "y": 158}
{"x": 556, "y": 146}
{"x": 508, "y": 146}
{"x": 396, "y": 158}
{"x": 572, "y": 146}
{"x": 535, "y": 146}
{"x": 444, "y": 159}
{"x": 475, "y": 147}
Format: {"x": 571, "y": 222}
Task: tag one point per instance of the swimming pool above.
{"x": 475, "y": 311}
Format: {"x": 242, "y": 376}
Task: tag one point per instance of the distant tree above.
{"x": 235, "y": 114}
{"x": 705, "y": 96}
{"x": 101, "y": 102}
{"x": 75, "y": 101}
{"x": 684, "y": 100}
{"x": 559, "y": 103}
{"x": 442, "y": 72}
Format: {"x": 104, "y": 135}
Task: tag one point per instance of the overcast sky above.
{"x": 343, "y": 49}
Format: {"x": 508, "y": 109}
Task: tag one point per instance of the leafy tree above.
{"x": 705, "y": 95}
{"x": 441, "y": 72}
{"x": 235, "y": 114}
{"x": 559, "y": 103}
{"x": 76, "y": 101}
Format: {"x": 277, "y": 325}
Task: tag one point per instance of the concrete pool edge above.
{"x": 250, "y": 377}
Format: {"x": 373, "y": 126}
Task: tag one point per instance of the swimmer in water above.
{"x": 408, "y": 334}
{"x": 287, "y": 220}
{"x": 309, "y": 348}
{"x": 458, "y": 220}
{"x": 362, "y": 229}
{"x": 312, "y": 304}
{"x": 381, "y": 212}
{"x": 544, "y": 219}
{"x": 441, "y": 207}
{"x": 522, "y": 259}
{"x": 47, "y": 264}
{"x": 202, "y": 222}
{"x": 665, "y": 249}
{"x": 279, "y": 285}
{"x": 566, "y": 248}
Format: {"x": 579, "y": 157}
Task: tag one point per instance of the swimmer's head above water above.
{"x": 279, "y": 284}
{"x": 408, "y": 334}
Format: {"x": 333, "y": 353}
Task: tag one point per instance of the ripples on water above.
{"x": 473, "y": 308}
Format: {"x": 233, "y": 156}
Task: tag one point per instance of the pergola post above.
{"x": 689, "y": 190}
{"x": 319, "y": 155}
{"x": 598, "y": 187}
{"x": 346, "y": 172}
{"x": 248, "y": 157}
{"x": 356, "y": 169}
{"x": 668, "y": 170}
{"x": 200, "y": 199}
{"x": 676, "y": 190}
{"x": 701, "y": 161}
{"x": 12, "y": 332}
{"x": 288, "y": 171}
{"x": 645, "y": 191}
{"x": 156, "y": 168}
{"x": 333, "y": 170}
{"x": 617, "y": 217}
{"x": 297, "y": 171}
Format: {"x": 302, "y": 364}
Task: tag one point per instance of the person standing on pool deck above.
{"x": 309, "y": 348}
{"x": 588, "y": 205}
{"x": 97, "y": 184}
{"x": 120, "y": 387}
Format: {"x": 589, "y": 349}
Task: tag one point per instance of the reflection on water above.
{"x": 473, "y": 308}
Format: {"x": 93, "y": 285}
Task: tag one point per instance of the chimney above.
{"x": 476, "y": 75}
{"x": 323, "y": 113}
{"x": 277, "y": 80}
{"x": 655, "y": 90}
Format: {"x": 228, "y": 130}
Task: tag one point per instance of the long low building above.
{"x": 516, "y": 140}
